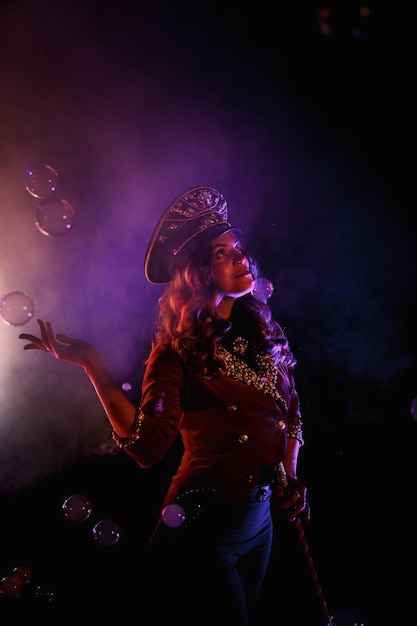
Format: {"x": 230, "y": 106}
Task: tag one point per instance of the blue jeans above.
{"x": 212, "y": 569}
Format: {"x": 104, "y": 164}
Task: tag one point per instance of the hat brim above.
{"x": 193, "y": 212}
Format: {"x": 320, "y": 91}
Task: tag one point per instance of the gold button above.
{"x": 243, "y": 438}
{"x": 282, "y": 425}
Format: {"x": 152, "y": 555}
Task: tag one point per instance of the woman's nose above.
{"x": 239, "y": 258}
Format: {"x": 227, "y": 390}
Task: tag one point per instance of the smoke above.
{"x": 130, "y": 117}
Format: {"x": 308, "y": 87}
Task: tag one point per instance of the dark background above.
{"x": 307, "y": 128}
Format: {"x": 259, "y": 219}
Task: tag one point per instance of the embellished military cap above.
{"x": 193, "y": 212}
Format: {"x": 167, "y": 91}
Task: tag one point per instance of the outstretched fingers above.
{"x": 39, "y": 343}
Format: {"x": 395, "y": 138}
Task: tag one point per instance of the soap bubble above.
{"x": 413, "y": 408}
{"x": 16, "y": 308}
{"x": 173, "y": 515}
{"x": 22, "y": 573}
{"x": 45, "y": 595}
{"x": 263, "y": 289}
{"x": 77, "y": 508}
{"x": 106, "y": 533}
{"x": 10, "y": 587}
{"x": 54, "y": 216}
{"x": 41, "y": 180}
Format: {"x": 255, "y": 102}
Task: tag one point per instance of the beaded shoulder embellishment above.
{"x": 264, "y": 380}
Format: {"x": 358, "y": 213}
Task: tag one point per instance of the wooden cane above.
{"x": 282, "y": 477}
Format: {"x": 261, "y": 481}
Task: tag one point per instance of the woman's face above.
{"x": 229, "y": 267}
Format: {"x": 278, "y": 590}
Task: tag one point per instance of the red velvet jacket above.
{"x": 229, "y": 429}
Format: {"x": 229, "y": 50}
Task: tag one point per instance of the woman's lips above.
{"x": 244, "y": 273}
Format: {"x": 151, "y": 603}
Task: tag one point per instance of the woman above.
{"x": 220, "y": 374}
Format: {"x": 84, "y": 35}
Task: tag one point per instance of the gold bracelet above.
{"x": 125, "y": 442}
{"x": 296, "y": 433}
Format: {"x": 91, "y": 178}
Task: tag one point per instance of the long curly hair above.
{"x": 188, "y": 320}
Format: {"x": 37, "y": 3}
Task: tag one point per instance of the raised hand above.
{"x": 60, "y": 346}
